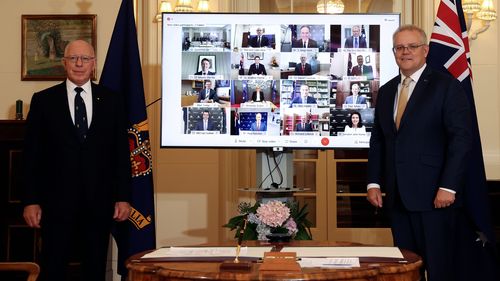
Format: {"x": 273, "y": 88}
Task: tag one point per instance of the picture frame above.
{"x": 43, "y": 40}
{"x": 211, "y": 59}
{"x": 252, "y": 55}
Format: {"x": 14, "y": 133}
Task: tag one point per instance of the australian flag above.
{"x": 122, "y": 73}
{"x": 449, "y": 52}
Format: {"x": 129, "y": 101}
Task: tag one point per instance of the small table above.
{"x": 166, "y": 270}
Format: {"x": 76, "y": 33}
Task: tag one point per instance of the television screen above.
{"x": 273, "y": 80}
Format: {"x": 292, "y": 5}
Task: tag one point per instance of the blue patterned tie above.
{"x": 80, "y": 115}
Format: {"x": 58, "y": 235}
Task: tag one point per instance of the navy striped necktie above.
{"x": 80, "y": 115}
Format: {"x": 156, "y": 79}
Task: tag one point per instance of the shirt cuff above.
{"x": 373, "y": 185}
{"x": 449, "y": 190}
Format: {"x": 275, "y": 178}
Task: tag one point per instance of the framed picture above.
{"x": 252, "y": 55}
{"x": 211, "y": 60}
{"x": 44, "y": 38}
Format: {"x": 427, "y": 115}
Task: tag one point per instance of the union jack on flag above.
{"x": 449, "y": 52}
{"x": 450, "y": 32}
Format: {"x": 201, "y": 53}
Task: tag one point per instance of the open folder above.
{"x": 365, "y": 254}
{"x": 205, "y": 253}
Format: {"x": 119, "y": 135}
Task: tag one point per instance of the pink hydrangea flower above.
{"x": 291, "y": 226}
{"x": 273, "y": 213}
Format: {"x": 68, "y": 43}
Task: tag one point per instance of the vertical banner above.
{"x": 122, "y": 73}
{"x": 449, "y": 52}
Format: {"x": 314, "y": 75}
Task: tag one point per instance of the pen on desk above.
{"x": 240, "y": 239}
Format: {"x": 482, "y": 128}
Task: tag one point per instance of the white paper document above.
{"x": 187, "y": 252}
{"x": 382, "y": 252}
{"x": 329, "y": 262}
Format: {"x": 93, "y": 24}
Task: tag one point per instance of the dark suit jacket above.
{"x": 253, "y": 69}
{"x": 307, "y": 69}
{"x": 210, "y": 126}
{"x": 298, "y": 100}
{"x": 211, "y": 96}
{"x": 367, "y": 71}
{"x": 306, "y": 127}
{"x": 299, "y": 44}
{"x": 201, "y": 73}
{"x": 349, "y": 42}
{"x": 63, "y": 174}
{"x": 430, "y": 148}
{"x": 254, "y": 96}
{"x": 264, "y": 41}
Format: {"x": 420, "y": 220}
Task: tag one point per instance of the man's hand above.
{"x": 122, "y": 211}
{"x": 32, "y": 215}
{"x": 443, "y": 199}
{"x": 374, "y": 196}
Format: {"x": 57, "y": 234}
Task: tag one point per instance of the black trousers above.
{"x": 430, "y": 234}
{"x": 62, "y": 236}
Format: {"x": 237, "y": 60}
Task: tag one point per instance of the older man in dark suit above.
{"x": 259, "y": 40}
{"x": 305, "y": 40}
{"x": 419, "y": 147}
{"x": 77, "y": 174}
{"x": 303, "y": 68}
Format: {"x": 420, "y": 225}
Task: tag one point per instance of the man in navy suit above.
{"x": 355, "y": 98}
{"x": 419, "y": 148}
{"x": 77, "y": 168}
{"x": 257, "y": 68}
{"x": 304, "y": 97}
{"x": 303, "y": 68}
{"x": 205, "y": 68}
{"x": 259, "y": 40}
{"x": 305, "y": 40}
{"x": 361, "y": 69}
{"x": 303, "y": 125}
{"x": 355, "y": 40}
{"x": 208, "y": 94}
{"x": 258, "y": 125}
{"x": 205, "y": 124}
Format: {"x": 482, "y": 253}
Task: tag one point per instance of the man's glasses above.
{"x": 84, "y": 59}
{"x": 411, "y": 48}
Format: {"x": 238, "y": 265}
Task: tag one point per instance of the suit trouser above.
{"x": 58, "y": 244}
{"x": 430, "y": 234}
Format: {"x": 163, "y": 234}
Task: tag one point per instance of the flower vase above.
{"x": 279, "y": 237}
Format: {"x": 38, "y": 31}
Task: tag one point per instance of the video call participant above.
{"x": 258, "y": 125}
{"x": 259, "y": 40}
{"x": 305, "y": 40}
{"x": 208, "y": 94}
{"x": 355, "y": 98}
{"x": 257, "y": 68}
{"x": 257, "y": 95}
{"x": 186, "y": 44}
{"x": 205, "y": 124}
{"x": 303, "y": 125}
{"x": 355, "y": 40}
{"x": 418, "y": 155}
{"x": 205, "y": 66}
{"x": 241, "y": 69}
{"x": 83, "y": 127}
{"x": 303, "y": 68}
{"x": 304, "y": 97}
{"x": 361, "y": 69}
{"x": 355, "y": 125}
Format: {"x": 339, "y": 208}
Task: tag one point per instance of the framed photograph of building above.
{"x": 44, "y": 38}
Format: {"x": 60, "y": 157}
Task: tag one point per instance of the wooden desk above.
{"x": 160, "y": 271}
